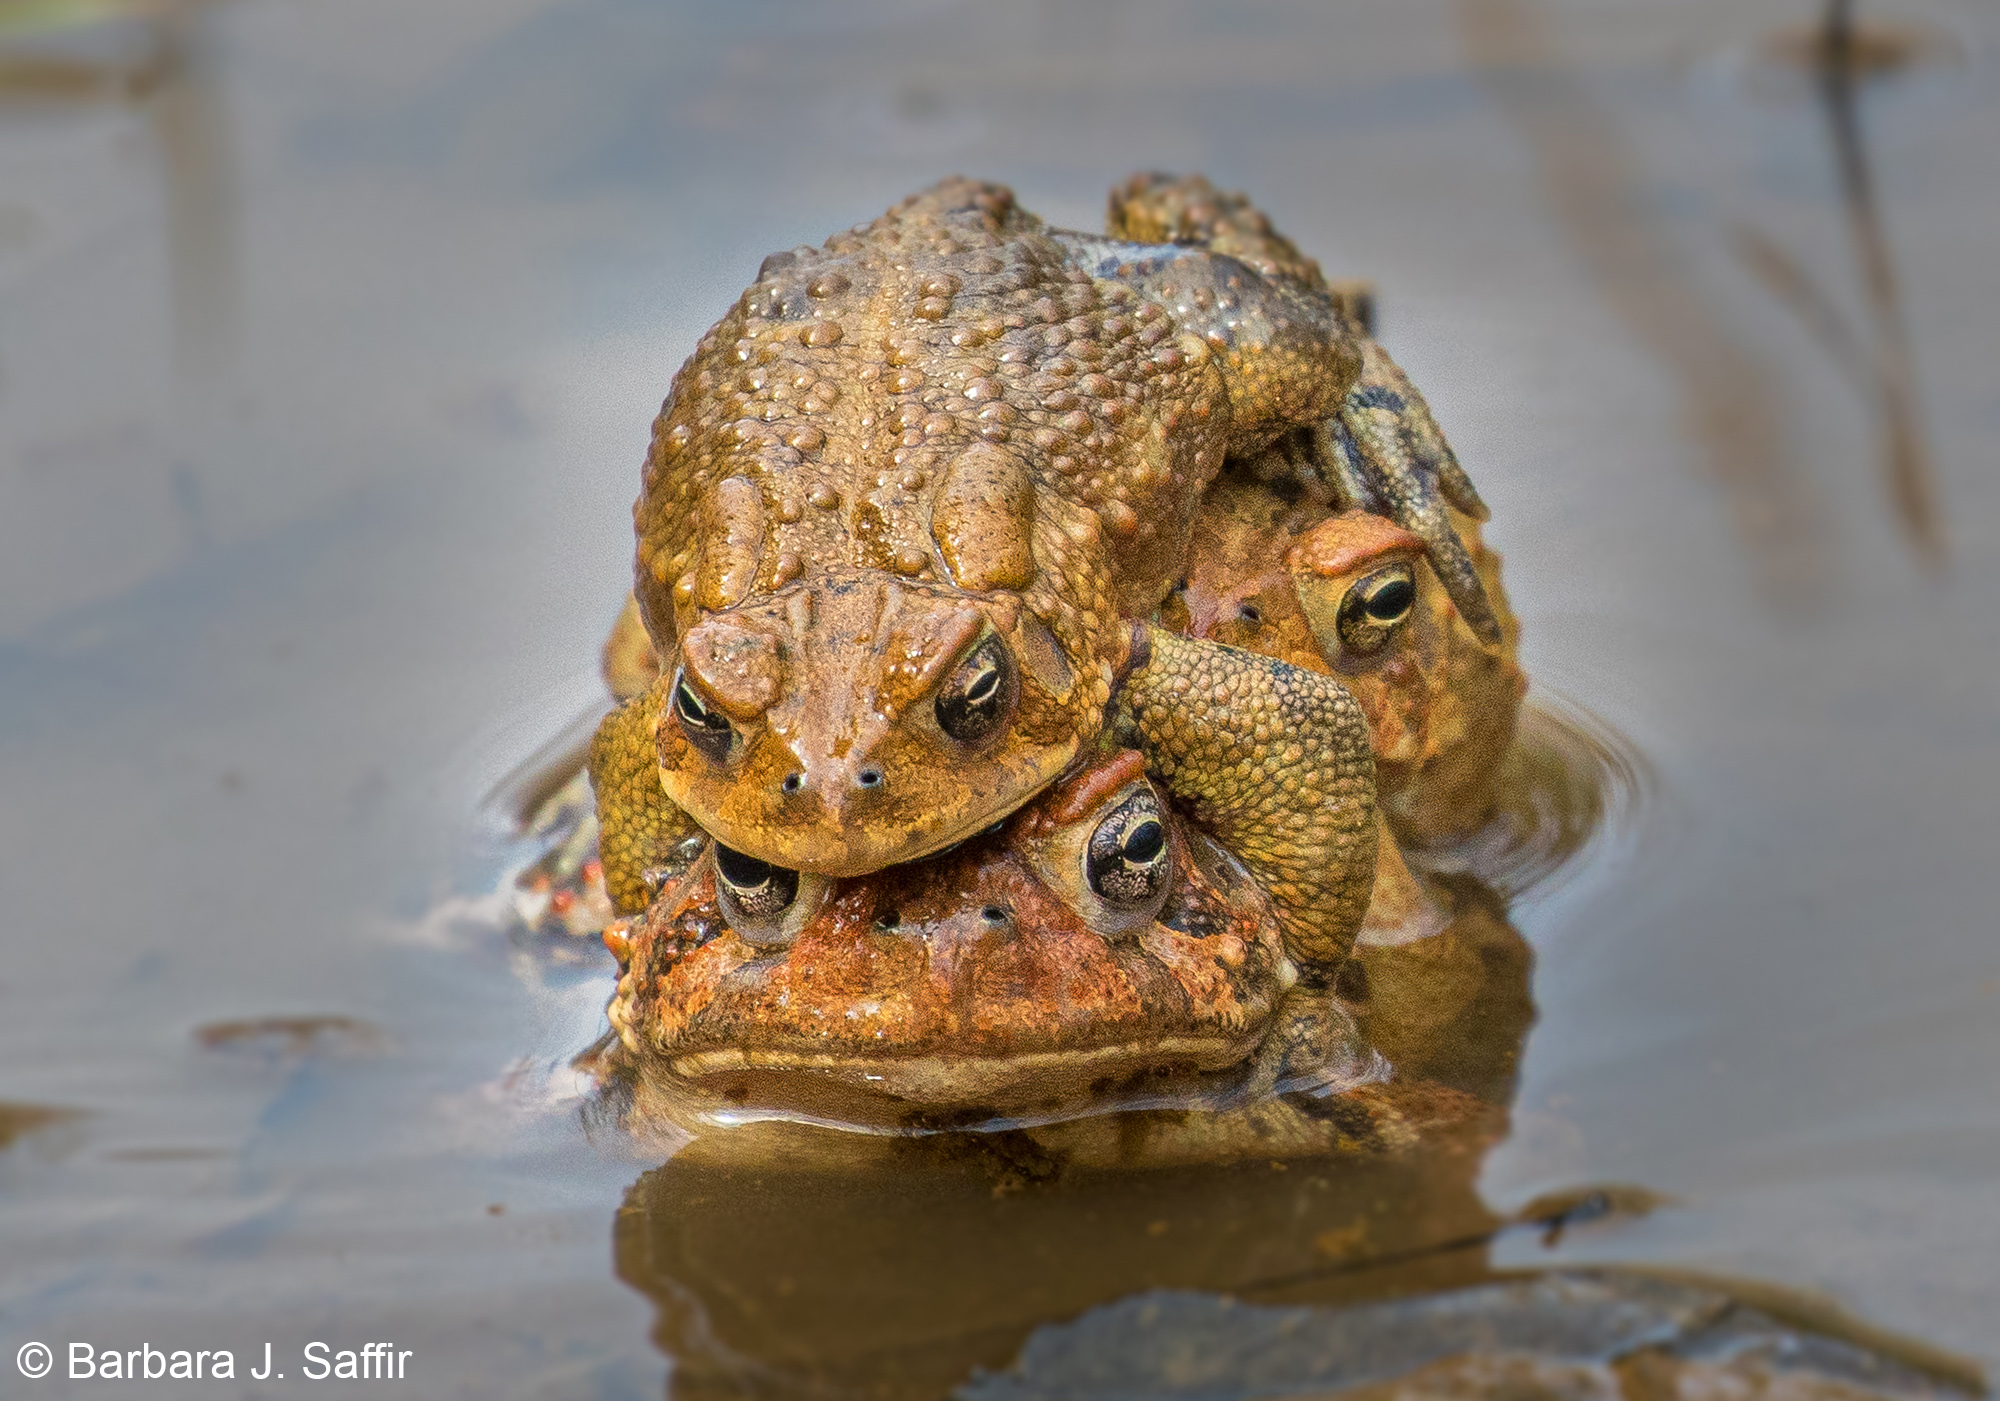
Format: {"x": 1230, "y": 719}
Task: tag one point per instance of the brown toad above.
{"x": 1354, "y": 595}
{"x": 1094, "y": 951}
{"x": 1094, "y": 944}
{"x": 907, "y": 501}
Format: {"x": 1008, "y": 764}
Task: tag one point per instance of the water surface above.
{"x": 330, "y": 335}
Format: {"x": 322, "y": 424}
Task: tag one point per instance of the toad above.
{"x": 909, "y": 508}
{"x": 1094, "y": 946}
{"x": 1093, "y": 952}
{"x": 1354, "y": 595}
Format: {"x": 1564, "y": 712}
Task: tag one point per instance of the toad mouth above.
{"x": 1006, "y": 1080}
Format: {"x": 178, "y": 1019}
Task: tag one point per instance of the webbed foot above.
{"x": 1384, "y": 453}
{"x": 1381, "y": 451}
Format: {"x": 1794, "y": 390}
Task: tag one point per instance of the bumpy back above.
{"x": 941, "y": 396}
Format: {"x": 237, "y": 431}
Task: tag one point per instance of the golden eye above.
{"x": 706, "y": 728}
{"x": 976, "y": 700}
{"x": 1127, "y": 863}
{"x": 1374, "y": 607}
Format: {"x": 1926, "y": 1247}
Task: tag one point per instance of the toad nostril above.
{"x": 996, "y": 914}
{"x": 871, "y": 778}
{"x": 793, "y": 782}
{"x": 888, "y": 919}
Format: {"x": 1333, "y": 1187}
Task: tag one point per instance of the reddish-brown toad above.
{"x": 1094, "y": 947}
{"x": 1094, "y": 951}
{"x": 1354, "y": 595}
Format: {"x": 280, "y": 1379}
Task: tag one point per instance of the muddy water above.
{"x": 329, "y": 337}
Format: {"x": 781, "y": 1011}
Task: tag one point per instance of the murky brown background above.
{"x": 330, "y": 332}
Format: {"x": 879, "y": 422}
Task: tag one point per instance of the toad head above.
{"x": 852, "y": 721}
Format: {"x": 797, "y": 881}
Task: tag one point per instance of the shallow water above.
{"x": 329, "y": 339}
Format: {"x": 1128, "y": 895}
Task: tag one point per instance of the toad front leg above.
{"x": 643, "y": 839}
{"x": 1274, "y": 761}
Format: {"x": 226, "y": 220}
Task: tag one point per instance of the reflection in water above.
{"x": 616, "y": 157}
{"x": 790, "y": 1261}
{"x": 1842, "y": 57}
{"x": 154, "y": 55}
{"x": 786, "y": 1259}
{"x": 1596, "y": 189}
{"x": 1308, "y": 1245}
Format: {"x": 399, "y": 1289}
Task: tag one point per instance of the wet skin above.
{"x": 1352, "y": 594}
{"x": 1093, "y": 944}
{"x": 911, "y": 504}
{"x": 1094, "y": 941}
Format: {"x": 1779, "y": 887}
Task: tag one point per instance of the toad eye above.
{"x": 706, "y": 728}
{"x": 763, "y": 902}
{"x": 756, "y": 887}
{"x": 976, "y": 700}
{"x": 1127, "y": 862}
{"x": 1375, "y": 606}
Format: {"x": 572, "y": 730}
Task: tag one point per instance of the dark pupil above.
{"x": 1392, "y": 600}
{"x": 974, "y": 702}
{"x": 1143, "y": 842}
{"x": 705, "y": 729}
{"x": 759, "y": 887}
{"x": 981, "y": 691}
{"x": 1124, "y": 864}
{"x": 694, "y": 712}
